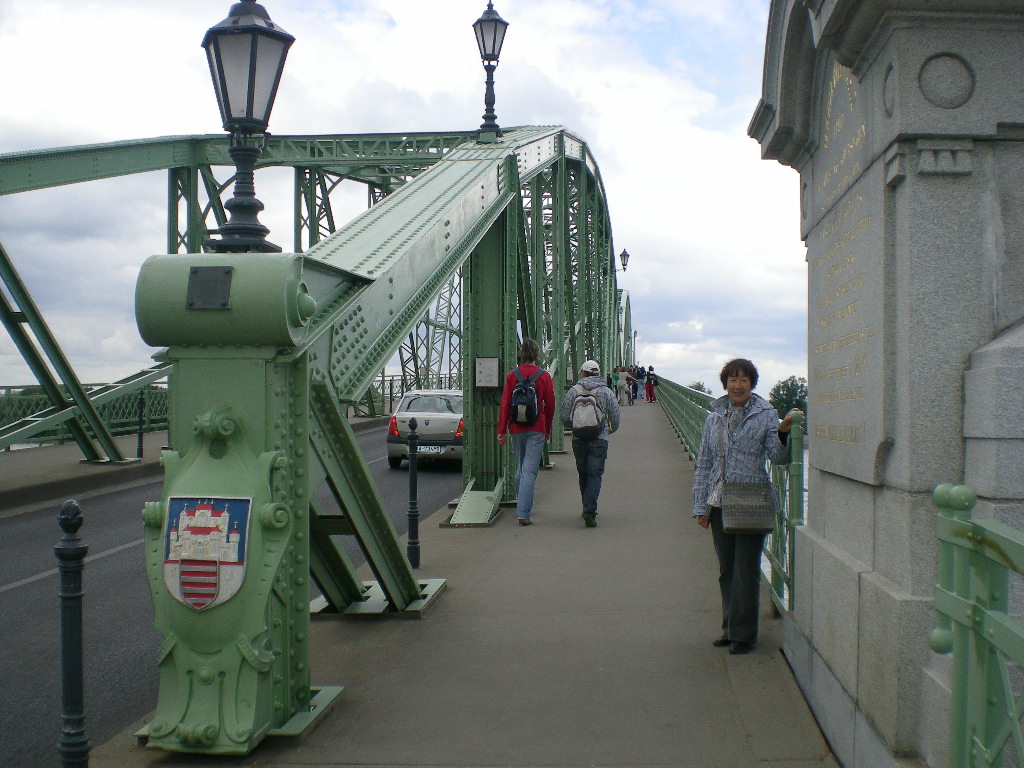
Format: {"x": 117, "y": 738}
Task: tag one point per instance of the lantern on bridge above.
{"x": 246, "y": 53}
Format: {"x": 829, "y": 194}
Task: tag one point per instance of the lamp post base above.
{"x": 240, "y": 245}
{"x": 243, "y": 232}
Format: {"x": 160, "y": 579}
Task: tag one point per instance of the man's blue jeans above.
{"x": 528, "y": 449}
{"x": 590, "y": 458}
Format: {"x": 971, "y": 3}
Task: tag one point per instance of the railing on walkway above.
{"x": 687, "y": 409}
{"x": 973, "y": 622}
{"x": 27, "y": 415}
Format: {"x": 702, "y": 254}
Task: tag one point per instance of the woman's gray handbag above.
{"x": 746, "y": 507}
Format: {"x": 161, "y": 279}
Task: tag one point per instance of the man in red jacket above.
{"x": 529, "y": 424}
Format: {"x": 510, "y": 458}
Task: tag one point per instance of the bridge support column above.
{"x": 489, "y": 346}
{"x": 899, "y": 122}
{"x": 228, "y": 544}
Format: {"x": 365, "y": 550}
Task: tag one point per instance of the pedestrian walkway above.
{"x": 554, "y": 645}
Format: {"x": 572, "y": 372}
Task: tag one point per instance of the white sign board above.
{"x": 487, "y": 372}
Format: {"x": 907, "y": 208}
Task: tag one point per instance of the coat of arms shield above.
{"x": 205, "y": 546}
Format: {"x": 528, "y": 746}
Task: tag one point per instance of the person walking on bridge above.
{"x": 589, "y": 409}
{"x": 742, "y": 431}
{"x": 652, "y": 382}
{"x": 527, "y": 413}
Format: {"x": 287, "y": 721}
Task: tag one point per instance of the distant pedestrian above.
{"x": 743, "y": 431}
{"x": 631, "y": 384}
{"x": 620, "y": 384}
{"x": 641, "y": 381}
{"x": 527, "y": 416}
{"x": 652, "y": 382}
{"x": 590, "y": 410}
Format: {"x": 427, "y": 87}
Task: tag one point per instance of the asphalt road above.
{"x": 120, "y": 643}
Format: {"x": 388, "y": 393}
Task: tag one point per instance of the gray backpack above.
{"x": 587, "y": 416}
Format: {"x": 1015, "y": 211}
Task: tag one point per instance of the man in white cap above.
{"x": 589, "y": 409}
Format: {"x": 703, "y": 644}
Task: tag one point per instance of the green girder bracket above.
{"x": 476, "y": 508}
{"x": 335, "y": 446}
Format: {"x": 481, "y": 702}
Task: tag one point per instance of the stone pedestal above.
{"x": 906, "y": 124}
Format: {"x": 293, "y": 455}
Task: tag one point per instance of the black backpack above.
{"x": 523, "y": 408}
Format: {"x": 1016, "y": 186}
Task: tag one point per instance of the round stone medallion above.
{"x": 946, "y": 80}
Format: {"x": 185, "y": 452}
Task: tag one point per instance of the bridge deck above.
{"x": 556, "y": 645}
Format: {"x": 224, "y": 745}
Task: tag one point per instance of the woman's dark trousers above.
{"x": 739, "y": 578}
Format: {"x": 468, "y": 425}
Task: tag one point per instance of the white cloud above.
{"x": 661, "y": 90}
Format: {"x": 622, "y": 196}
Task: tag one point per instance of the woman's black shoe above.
{"x": 721, "y": 642}
{"x": 740, "y": 648}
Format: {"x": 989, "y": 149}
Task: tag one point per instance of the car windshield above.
{"x": 433, "y": 404}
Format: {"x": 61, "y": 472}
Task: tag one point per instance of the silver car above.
{"x": 439, "y": 425}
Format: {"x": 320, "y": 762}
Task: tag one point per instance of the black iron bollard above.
{"x": 142, "y": 422}
{"x": 70, "y": 553}
{"x": 413, "y": 548}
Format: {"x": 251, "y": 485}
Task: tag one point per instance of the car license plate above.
{"x": 428, "y": 449}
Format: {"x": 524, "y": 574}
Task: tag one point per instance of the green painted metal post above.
{"x": 228, "y": 546}
{"x": 556, "y": 238}
{"x": 955, "y": 504}
{"x": 488, "y": 303}
{"x": 227, "y": 681}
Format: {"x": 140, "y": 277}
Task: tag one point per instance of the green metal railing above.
{"x": 386, "y": 390}
{"x": 33, "y": 414}
{"x": 26, "y": 413}
{"x": 975, "y": 559}
{"x": 121, "y": 414}
{"x": 687, "y": 409}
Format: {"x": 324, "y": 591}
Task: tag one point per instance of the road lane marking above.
{"x": 55, "y": 571}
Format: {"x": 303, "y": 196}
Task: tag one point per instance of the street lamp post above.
{"x": 624, "y": 258}
{"x": 246, "y": 53}
{"x": 490, "y": 34}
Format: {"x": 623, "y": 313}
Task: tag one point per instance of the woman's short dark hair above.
{"x": 739, "y": 367}
{"x": 529, "y": 351}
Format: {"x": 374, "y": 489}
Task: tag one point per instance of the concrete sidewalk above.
{"x": 554, "y": 645}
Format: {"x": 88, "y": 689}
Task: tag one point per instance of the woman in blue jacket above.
{"x": 748, "y": 427}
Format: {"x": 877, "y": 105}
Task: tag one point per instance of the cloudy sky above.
{"x": 661, "y": 90}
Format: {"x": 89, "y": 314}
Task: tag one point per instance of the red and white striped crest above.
{"x": 205, "y": 545}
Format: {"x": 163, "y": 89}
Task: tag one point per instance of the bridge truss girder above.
{"x": 259, "y": 394}
{"x": 381, "y": 161}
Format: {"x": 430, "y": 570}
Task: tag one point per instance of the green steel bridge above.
{"x": 466, "y": 247}
{"x": 429, "y": 352}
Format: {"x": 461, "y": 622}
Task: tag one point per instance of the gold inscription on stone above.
{"x": 842, "y": 290}
{"x": 846, "y": 261}
{"x": 840, "y": 75}
{"x": 841, "y": 371}
{"x": 837, "y": 433}
{"x": 857, "y": 337}
{"x": 848, "y": 311}
{"x": 843, "y": 185}
{"x": 835, "y": 248}
{"x": 840, "y": 395}
{"x": 844, "y": 157}
{"x": 846, "y": 212}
